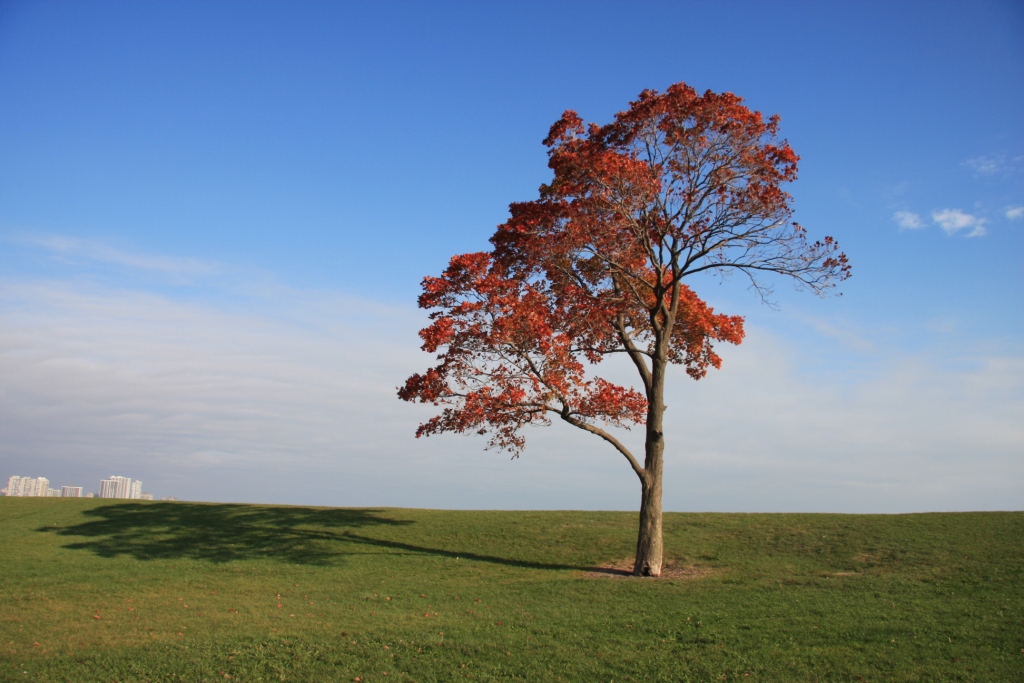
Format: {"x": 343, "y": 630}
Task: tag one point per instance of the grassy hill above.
{"x": 100, "y": 590}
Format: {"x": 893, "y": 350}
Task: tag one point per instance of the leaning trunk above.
{"x": 649, "y": 545}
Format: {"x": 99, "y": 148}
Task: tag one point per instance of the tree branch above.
{"x": 640, "y": 471}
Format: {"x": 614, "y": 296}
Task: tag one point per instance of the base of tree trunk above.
{"x": 649, "y": 545}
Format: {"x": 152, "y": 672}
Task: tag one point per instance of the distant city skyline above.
{"x": 113, "y": 487}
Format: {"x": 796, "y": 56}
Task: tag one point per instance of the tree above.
{"x": 676, "y": 185}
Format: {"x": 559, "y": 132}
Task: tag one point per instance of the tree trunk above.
{"x": 649, "y": 545}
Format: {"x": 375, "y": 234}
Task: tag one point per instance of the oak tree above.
{"x": 678, "y": 184}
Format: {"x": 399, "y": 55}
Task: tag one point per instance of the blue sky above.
{"x": 214, "y": 218}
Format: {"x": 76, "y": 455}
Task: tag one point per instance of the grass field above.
{"x": 98, "y": 590}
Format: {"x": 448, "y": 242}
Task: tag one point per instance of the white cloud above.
{"x": 908, "y": 221}
{"x": 842, "y": 332}
{"x": 955, "y": 220}
{"x": 994, "y": 164}
{"x": 989, "y": 164}
{"x": 1015, "y": 212}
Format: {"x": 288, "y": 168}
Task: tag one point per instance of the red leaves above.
{"x": 691, "y": 342}
{"x": 569, "y": 127}
{"x": 513, "y": 350}
{"x": 616, "y": 405}
{"x": 509, "y": 355}
{"x": 678, "y": 184}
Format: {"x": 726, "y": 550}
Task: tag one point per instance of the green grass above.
{"x": 96, "y": 590}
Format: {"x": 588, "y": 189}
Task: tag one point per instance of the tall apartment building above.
{"x": 27, "y": 486}
{"x": 70, "y": 491}
{"x": 13, "y": 486}
{"x": 115, "y": 487}
{"x": 120, "y": 487}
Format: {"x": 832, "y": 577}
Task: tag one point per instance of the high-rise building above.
{"x": 115, "y": 487}
{"x": 13, "y": 486}
{"x": 70, "y": 491}
{"x": 119, "y": 487}
{"x": 136, "y": 490}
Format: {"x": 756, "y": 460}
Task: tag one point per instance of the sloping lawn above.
{"x": 101, "y": 590}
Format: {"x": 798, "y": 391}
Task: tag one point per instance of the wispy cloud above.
{"x": 843, "y": 332}
{"x": 992, "y": 164}
{"x": 73, "y": 248}
{"x": 1015, "y": 213}
{"x": 954, "y": 220}
{"x": 908, "y": 220}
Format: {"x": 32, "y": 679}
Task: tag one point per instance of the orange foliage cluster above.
{"x": 678, "y": 184}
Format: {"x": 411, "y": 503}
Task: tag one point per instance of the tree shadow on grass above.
{"x": 229, "y": 532}
{"x": 220, "y": 533}
{"x": 459, "y": 555}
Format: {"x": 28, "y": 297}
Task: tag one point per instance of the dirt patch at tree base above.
{"x": 623, "y": 569}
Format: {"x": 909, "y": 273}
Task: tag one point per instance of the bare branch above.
{"x": 640, "y": 471}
